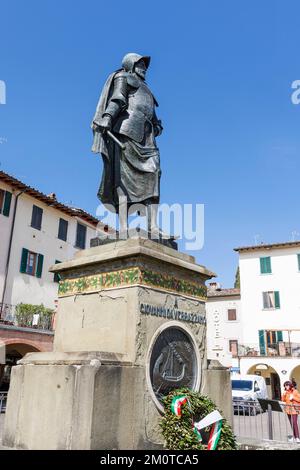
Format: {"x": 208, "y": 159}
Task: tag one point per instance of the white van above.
{"x": 246, "y": 389}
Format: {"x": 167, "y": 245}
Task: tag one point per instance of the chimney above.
{"x": 214, "y": 286}
{"x": 52, "y": 196}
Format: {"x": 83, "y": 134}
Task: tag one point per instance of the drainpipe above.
{"x": 9, "y": 250}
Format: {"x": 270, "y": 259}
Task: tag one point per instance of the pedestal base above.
{"x": 84, "y": 401}
{"x": 168, "y": 242}
{"x": 130, "y": 328}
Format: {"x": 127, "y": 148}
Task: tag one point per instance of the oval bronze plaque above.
{"x": 173, "y": 362}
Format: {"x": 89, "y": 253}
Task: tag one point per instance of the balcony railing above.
{"x": 36, "y": 321}
{"x": 281, "y": 349}
{"x": 250, "y": 421}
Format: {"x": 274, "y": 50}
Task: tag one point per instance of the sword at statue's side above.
{"x": 122, "y": 146}
{"x": 114, "y": 138}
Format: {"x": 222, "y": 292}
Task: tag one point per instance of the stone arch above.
{"x": 295, "y": 374}
{"x": 271, "y": 376}
{"x": 23, "y": 345}
{"x": 14, "y": 351}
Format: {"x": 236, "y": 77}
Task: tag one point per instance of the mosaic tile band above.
{"x": 129, "y": 277}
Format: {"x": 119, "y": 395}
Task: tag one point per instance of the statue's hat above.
{"x": 129, "y": 61}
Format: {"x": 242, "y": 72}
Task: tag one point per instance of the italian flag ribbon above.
{"x": 177, "y": 403}
{"x": 197, "y": 432}
{"x": 214, "y": 436}
{"x": 215, "y": 419}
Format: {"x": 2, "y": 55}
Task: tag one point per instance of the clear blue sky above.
{"x": 222, "y": 73}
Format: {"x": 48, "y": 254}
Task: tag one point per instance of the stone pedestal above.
{"x": 130, "y": 325}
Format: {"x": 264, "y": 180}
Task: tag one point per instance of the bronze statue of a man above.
{"x": 125, "y": 127}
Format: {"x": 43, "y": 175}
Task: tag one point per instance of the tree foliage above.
{"x": 25, "y": 312}
{"x": 237, "y": 282}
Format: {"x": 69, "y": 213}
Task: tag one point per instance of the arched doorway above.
{"x": 271, "y": 377}
{"x": 14, "y": 352}
{"x": 295, "y": 374}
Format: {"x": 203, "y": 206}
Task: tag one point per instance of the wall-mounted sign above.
{"x": 217, "y": 340}
{"x": 172, "y": 313}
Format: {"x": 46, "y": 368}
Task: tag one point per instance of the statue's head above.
{"x": 136, "y": 63}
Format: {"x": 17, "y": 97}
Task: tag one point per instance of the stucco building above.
{"x": 267, "y": 340}
{"x": 36, "y": 231}
{"x": 223, "y": 323}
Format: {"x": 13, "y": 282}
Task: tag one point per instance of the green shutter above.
{"x": 265, "y": 265}
{"x": 279, "y": 336}
{"x": 277, "y": 300}
{"x": 39, "y": 268}
{"x": 262, "y": 345}
{"x": 24, "y": 260}
{"x": 7, "y": 202}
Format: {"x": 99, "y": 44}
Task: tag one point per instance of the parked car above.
{"x": 246, "y": 389}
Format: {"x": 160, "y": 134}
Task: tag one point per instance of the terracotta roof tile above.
{"x": 223, "y": 292}
{"x": 49, "y": 200}
{"x": 268, "y": 246}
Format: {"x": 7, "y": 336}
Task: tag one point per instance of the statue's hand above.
{"x": 158, "y": 129}
{"x": 95, "y": 126}
{"x": 104, "y": 124}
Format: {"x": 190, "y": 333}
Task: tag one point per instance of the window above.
{"x": 233, "y": 347}
{"x": 36, "y": 218}
{"x": 271, "y": 343}
{"x": 271, "y": 300}
{"x": 231, "y": 314}
{"x": 298, "y": 256}
{"x": 31, "y": 263}
{"x": 5, "y": 202}
{"x": 56, "y": 277}
{"x": 80, "y": 236}
{"x": 265, "y": 265}
{"x": 63, "y": 230}
{"x": 273, "y": 337}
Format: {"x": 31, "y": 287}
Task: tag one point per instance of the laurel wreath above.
{"x": 178, "y": 431}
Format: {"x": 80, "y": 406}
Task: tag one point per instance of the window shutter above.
{"x": 277, "y": 300}
{"x": 262, "y": 345}
{"x": 2, "y": 194}
{"x": 279, "y": 335}
{"x": 24, "y": 260}
{"x": 39, "y": 268}
{"x": 265, "y": 300}
{"x": 63, "y": 229}
{"x": 231, "y": 314}
{"x": 7, "y": 202}
{"x": 56, "y": 277}
{"x": 36, "y": 218}
{"x": 81, "y": 236}
{"x": 265, "y": 265}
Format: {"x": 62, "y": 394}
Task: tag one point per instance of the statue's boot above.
{"x": 154, "y": 230}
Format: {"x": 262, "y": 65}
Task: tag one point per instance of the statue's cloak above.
{"x": 136, "y": 170}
